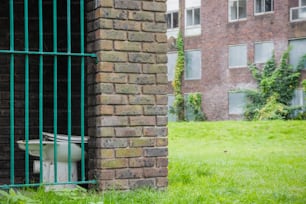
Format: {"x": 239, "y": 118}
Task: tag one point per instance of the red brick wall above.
{"x": 127, "y": 93}
{"x": 217, "y": 34}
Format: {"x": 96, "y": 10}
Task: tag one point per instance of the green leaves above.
{"x": 276, "y": 85}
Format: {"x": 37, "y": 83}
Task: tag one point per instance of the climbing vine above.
{"x": 178, "y": 106}
{"x": 276, "y": 85}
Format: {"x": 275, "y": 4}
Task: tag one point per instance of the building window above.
{"x": 298, "y": 50}
{"x": 263, "y": 6}
{"x": 302, "y": 2}
{"x": 192, "y": 64}
{"x": 237, "y": 56}
{"x": 172, "y": 20}
{"x": 237, "y": 10}
{"x": 193, "y": 17}
{"x": 263, "y": 52}
{"x": 236, "y": 103}
{"x": 298, "y": 100}
{"x": 171, "y": 116}
{"x": 172, "y": 57}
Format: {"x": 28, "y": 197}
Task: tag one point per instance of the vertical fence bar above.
{"x": 55, "y": 87}
{"x": 41, "y": 88}
{"x": 69, "y": 85}
{"x": 26, "y": 91}
{"x": 12, "y": 124}
{"x": 82, "y": 89}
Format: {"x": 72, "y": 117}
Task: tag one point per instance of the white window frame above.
{"x": 193, "y": 17}
{"x": 263, "y": 61}
{"x": 238, "y": 66}
{"x": 229, "y": 11}
{"x": 199, "y": 76}
{"x": 171, "y": 78}
{"x": 171, "y": 13}
{"x": 263, "y": 12}
{"x": 230, "y": 110}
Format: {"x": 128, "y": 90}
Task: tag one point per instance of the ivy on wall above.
{"x": 178, "y": 106}
{"x": 276, "y": 85}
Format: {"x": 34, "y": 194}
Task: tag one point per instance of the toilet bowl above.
{"x": 62, "y": 156}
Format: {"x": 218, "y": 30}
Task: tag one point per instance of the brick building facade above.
{"x": 224, "y": 38}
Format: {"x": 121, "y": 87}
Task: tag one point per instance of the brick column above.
{"x": 127, "y": 110}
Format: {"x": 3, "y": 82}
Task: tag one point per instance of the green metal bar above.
{"x": 46, "y": 184}
{"x": 69, "y": 85}
{"x": 12, "y": 124}
{"x": 55, "y": 87}
{"x": 41, "y": 88}
{"x": 21, "y": 52}
{"x": 82, "y": 89}
{"x": 26, "y": 92}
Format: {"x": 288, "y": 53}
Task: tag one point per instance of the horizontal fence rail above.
{"x": 27, "y": 53}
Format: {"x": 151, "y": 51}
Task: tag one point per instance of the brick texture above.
{"x": 128, "y": 94}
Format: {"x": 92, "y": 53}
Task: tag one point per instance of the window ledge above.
{"x": 238, "y": 20}
{"x": 263, "y": 13}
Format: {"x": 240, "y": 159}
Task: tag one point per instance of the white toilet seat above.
{"x": 62, "y": 137}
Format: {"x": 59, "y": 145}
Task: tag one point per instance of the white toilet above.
{"x": 62, "y": 157}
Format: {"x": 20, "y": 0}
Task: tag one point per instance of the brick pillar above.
{"x": 127, "y": 101}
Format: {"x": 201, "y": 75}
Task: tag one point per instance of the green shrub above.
{"x": 276, "y": 85}
{"x": 194, "y": 107}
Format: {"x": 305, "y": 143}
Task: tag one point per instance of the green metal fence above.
{"x": 26, "y": 53}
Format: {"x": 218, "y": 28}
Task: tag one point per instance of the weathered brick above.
{"x": 111, "y": 78}
{"x": 128, "y": 67}
{"x": 129, "y": 110}
{"x": 105, "y": 66}
{"x": 161, "y": 78}
{"x": 128, "y": 132}
{"x": 129, "y": 173}
{"x": 142, "y": 58}
{"x": 104, "y": 110}
{"x": 112, "y": 56}
{"x": 127, "y": 46}
{"x": 154, "y": 68}
{"x": 141, "y": 183}
{"x": 161, "y": 58}
{"x": 110, "y": 35}
{"x": 142, "y": 79}
{"x": 162, "y": 182}
{"x": 112, "y": 121}
{"x": 127, "y": 89}
{"x": 162, "y": 120}
{"x": 155, "y": 172}
{"x": 141, "y": 16}
{"x": 112, "y": 13}
{"x": 127, "y": 4}
{"x": 119, "y": 184}
{"x": 126, "y": 25}
{"x": 114, "y": 163}
{"x": 105, "y": 88}
{"x": 162, "y": 142}
{"x": 155, "y": 110}
{"x": 160, "y": 17}
{"x": 107, "y": 175}
{"x": 140, "y": 37}
{"x": 155, "y": 89}
{"x": 103, "y": 23}
{"x": 155, "y": 152}
{"x": 154, "y": 6}
{"x": 108, "y": 99}
{"x": 162, "y": 162}
{"x": 103, "y": 45}
{"x": 131, "y": 152}
{"x": 161, "y": 38}
{"x": 154, "y": 27}
{"x": 105, "y": 3}
{"x": 142, "y": 142}
{"x": 155, "y": 47}
{"x": 112, "y": 143}
{"x": 155, "y": 131}
{"x": 102, "y": 132}
{"x": 142, "y": 120}
{"x": 106, "y": 153}
{"x": 142, "y": 99}
{"x": 142, "y": 162}
{"x": 161, "y": 99}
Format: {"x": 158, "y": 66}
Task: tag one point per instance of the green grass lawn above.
{"x": 223, "y": 162}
